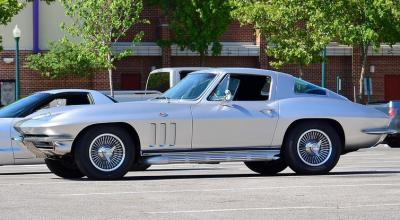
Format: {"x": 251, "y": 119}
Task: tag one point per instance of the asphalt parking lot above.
{"x": 364, "y": 185}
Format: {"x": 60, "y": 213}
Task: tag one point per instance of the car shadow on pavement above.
{"x": 222, "y": 176}
{"x": 23, "y": 173}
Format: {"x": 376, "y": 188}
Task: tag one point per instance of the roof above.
{"x": 247, "y": 71}
{"x": 169, "y": 69}
{"x": 56, "y": 91}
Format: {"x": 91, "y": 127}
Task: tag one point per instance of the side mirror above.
{"x": 228, "y": 96}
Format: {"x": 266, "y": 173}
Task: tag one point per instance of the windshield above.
{"x": 191, "y": 87}
{"x": 17, "y": 108}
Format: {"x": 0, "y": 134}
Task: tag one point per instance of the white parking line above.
{"x": 274, "y": 208}
{"x": 229, "y": 189}
{"x": 363, "y": 155}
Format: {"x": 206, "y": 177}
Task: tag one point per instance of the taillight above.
{"x": 392, "y": 112}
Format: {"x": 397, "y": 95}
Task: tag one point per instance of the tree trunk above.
{"x": 364, "y": 54}
{"x": 301, "y": 71}
{"x": 110, "y": 76}
{"x": 202, "y": 59}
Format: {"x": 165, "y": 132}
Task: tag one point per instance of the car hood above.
{"x": 107, "y": 112}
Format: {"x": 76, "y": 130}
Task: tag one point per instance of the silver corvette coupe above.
{"x": 266, "y": 119}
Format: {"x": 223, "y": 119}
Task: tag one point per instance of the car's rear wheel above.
{"x": 312, "y": 148}
{"x": 64, "y": 167}
{"x": 105, "y": 152}
{"x": 267, "y": 168}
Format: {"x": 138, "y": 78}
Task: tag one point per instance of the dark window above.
{"x": 158, "y": 81}
{"x": 64, "y": 99}
{"x": 303, "y": 87}
{"x": 184, "y": 73}
{"x": 243, "y": 87}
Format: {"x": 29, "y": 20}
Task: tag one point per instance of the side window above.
{"x": 227, "y": 83}
{"x": 303, "y": 87}
{"x": 57, "y": 103}
{"x": 67, "y": 99}
{"x": 243, "y": 87}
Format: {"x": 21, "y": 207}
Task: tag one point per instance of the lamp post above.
{"x": 17, "y": 35}
{"x": 323, "y": 69}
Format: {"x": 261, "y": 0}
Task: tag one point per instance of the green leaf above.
{"x": 196, "y": 24}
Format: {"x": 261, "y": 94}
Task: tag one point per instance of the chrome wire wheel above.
{"x": 314, "y": 147}
{"x": 107, "y": 152}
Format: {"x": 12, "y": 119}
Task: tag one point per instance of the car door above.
{"x": 249, "y": 120}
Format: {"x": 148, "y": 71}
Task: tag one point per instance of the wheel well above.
{"x": 132, "y": 132}
{"x": 336, "y": 125}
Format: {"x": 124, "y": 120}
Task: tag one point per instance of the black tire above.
{"x": 267, "y": 168}
{"x": 65, "y": 168}
{"x": 308, "y": 165}
{"x": 139, "y": 166}
{"x": 393, "y": 141}
{"x": 89, "y": 163}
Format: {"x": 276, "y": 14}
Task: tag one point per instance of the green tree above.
{"x": 290, "y": 27}
{"x": 101, "y": 23}
{"x": 364, "y": 24}
{"x": 197, "y": 24}
{"x": 64, "y": 58}
{"x": 8, "y": 8}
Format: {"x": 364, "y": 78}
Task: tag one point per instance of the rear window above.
{"x": 158, "y": 81}
{"x": 303, "y": 87}
{"x": 184, "y": 73}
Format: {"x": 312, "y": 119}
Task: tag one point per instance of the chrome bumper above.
{"x": 384, "y": 132}
{"x": 43, "y": 147}
{"x": 380, "y": 131}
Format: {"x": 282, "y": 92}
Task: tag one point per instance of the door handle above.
{"x": 163, "y": 114}
{"x": 269, "y": 111}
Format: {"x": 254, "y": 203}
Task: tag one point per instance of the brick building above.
{"x": 241, "y": 48}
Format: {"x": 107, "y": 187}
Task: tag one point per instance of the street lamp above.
{"x": 323, "y": 68}
{"x": 17, "y": 35}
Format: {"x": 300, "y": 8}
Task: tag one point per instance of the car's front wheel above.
{"x": 64, "y": 167}
{"x": 267, "y": 168}
{"x": 105, "y": 152}
{"x": 312, "y": 148}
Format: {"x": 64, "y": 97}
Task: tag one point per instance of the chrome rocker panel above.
{"x": 213, "y": 156}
